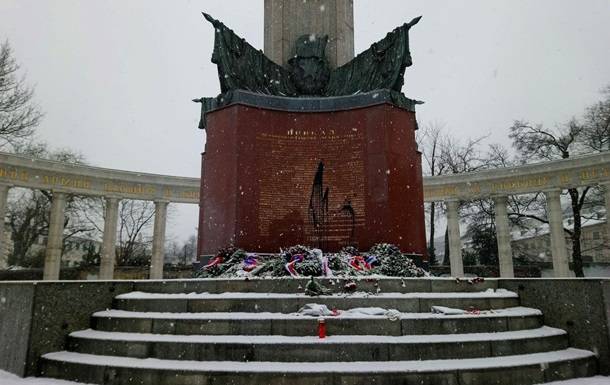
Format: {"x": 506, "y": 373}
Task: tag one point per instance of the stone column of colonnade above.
{"x": 606, "y": 187}
{"x": 156, "y": 261}
{"x": 559, "y": 252}
{"x": 3, "y": 198}
{"x": 455, "y": 241}
{"x": 52, "y": 262}
{"x": 108, "y": 249}
{"x": 503, "y": 238}
{"x": 505, "y": 254}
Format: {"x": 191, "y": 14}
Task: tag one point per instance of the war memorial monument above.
{"x": 307, "y": 144}
{"x": 308, "y": 152}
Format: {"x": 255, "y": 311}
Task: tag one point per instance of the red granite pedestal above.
{"x": 258, "y": 172}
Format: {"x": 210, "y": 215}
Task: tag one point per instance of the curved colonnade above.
{"x": 63, "y": 179}
{"x": 551, "y": 178}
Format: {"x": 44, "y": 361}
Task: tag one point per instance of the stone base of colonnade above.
{"x": 548, "y": 323}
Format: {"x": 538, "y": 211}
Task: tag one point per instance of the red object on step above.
{"x": 473, "y": 310}
{"x": 214, "y": 262}
{"x": 321, "y": 328}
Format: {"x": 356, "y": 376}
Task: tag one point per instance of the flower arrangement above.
{"x": 383, "y": 259}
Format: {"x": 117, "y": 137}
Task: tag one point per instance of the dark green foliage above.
{"x": 349, "y": 250}
{"x": 230, "y": 255}
{"x": 91, "y": 257}
{"x": 335, "y": 263}
{"x": 484, "y": 244}
{"x": 391, "y": 262}
{"x": 309, "y": 267}
{"x": 231, "y": 252}
{"x": 384, "y": 250}
{"x": 314, "y": 288}
{"x": 400, "y": 265}
{"x": 298, "y": 249}
{"x": 34, "y": 260}
{"x": 214, "y": 271}
{"x": 138, "y": 258}
{"x": 469, "y": 258}
{"x": 394, "y": 263}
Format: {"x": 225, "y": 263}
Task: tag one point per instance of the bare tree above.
{"x": 181, "y": 253}
{"x": 429, "y": 142}
{"x": 460, "y": 157}
{"x": 173, "y": 251}
{"x": 27, "y": 219}
{"x": 596, "y": 124}
{"x": 135, "y": 221}
{"x": 28, "y": 210}
{"x": 444, "y": 154}
{"x": 538, "y": 142}
{"x": 19, "y": 115}
{"x": 479, "y": 214}
{"x": 189, "y": 249}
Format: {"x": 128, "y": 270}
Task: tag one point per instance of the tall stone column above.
{"x": 559, "y": 252}
{"x": 108, "y": 250}
{"x": 286, "y": 20}
{"x": 455, "y": 241}
{"x": 3, "y": 238}
{"x": 505, "y": 254}
{"x": 158, "y": 248}
{"x": 52, "y": 262}
{"x": 607, "y": 201}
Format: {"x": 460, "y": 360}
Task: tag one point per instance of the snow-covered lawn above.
{"x": 10, "y": 379}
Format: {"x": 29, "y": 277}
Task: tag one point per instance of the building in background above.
{"x": 535, "y": 244}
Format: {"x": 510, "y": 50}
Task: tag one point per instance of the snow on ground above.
{"x": 11, "y": 379}
{"x": 598, "y": 380}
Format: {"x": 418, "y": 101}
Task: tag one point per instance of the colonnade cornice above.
{"x": 21, "y": 171}
{"x": 553, "y": 175}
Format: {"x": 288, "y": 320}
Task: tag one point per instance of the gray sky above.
{"x": 115, "y": 77}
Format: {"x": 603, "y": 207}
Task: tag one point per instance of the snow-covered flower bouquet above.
{"x": 382, "y": 259}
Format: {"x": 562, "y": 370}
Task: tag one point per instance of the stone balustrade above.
{"x": 116, "y": 185}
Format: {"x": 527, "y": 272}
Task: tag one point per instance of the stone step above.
{"x": 235, "y": 323}
{"x": 523, "y": 369}
{"x": 288, "y": 303}
{"x": 296, "y": 285}
{"x": 312, "y": 348}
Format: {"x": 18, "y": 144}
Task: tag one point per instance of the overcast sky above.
{"x": 115, "y": 77}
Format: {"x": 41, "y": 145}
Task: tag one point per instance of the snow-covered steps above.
{"x": 239, "y": 334}
{"x": 311, "y": 348}
{"x": 514, "y": 370}
{"x": 296, "y": 285}
{"x": 264, "y": 323}
{"x": 291, "y": 302}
